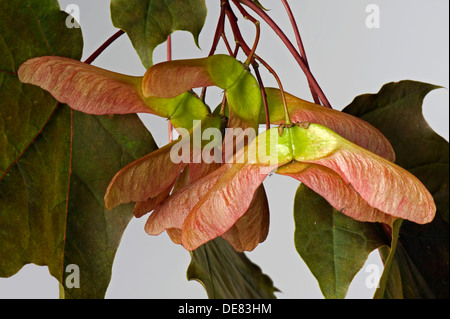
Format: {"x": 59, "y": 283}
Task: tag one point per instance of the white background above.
{"x": 347, "y": 59}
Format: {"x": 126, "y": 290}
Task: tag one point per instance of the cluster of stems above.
{"x": 227, "y": 13}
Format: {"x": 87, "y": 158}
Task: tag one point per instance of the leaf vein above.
{"x": 40, "y": 27}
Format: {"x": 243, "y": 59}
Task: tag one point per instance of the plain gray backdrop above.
{"x": 347, "y": 59}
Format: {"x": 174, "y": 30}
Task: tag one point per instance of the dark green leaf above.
{"x": 47, "y": 221}
{"x": 333, "y": 245}
{"x": 149, "y": 22}
{"x": 226, "y": 274}
{"x": 33, "y": 200}
{"x": 51, "y": 199}
{"x": 93, "y": 233}
{"x": 397, "y": 112}
{"x": 28, "y": 29}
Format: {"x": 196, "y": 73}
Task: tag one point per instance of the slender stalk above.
{"x": 236, "y": 49}
{"x": 102, "y": 48}
{"x": 169, "y": 48}
{"x": 255, "y": 45}
{"x": 258, "y": 30}
{"x": 280, "y": 85}
{"x": 203, "y": 94}
{"x": 236, "y": 31}
{"x": 227, "y": 44}
{"x": 224, "y": 103}
{"x": 291, "y": 49}
{"x": 169, "y": 58}
{"x": 219, "y": 31}
{"x": 263, "y": 93}
{"x": 300, "y": 45}
{"x": 231, "y": 52}
{"x": 239, "y": 39}
{"x": 296, "y": 31}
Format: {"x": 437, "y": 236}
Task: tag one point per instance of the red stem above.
{"x": 296, "y": 31}
{"x": 237, "y": 34}
{"x": 169, "y": 48}
{"x": 102, "y": 48}
{"x": 169, "y": 58}
{"x": 291, "y": 49}
{"x": 247, "y": 16}
{"x": 300, "y": 45}
{"x": 219, "y": 29}
{"x": 283, "y": 96}
{"x": 243, "y": 11}
{"x": 263, "y": 93}
{"x": 227, "y": 44}
{"x": 236, "y": 50}
{"x": 217, "y": 35}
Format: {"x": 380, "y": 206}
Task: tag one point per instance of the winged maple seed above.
{"x": 355, "y": 181}
{"x": 344, "y": 159}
